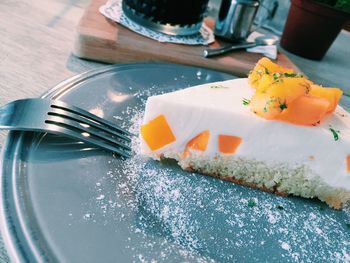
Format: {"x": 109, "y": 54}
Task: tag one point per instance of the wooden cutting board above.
{"x": 101, "y": 39}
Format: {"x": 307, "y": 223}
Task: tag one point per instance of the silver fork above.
{"x": 60, "y": 118}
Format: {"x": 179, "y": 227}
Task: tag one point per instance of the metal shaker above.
{"x": 235, "y": 19}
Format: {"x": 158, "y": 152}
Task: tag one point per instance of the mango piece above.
{"x": 265, "y": 67}
{"x": 199, "y": 142}
{"x": 288, "y": 89}
{"x": 228, "y": 144}
{"x": 264, "y": 83}
{"x": 333, "y": 95}
{"x": 266, "y": 106}
{"x": 305, "y": 110}
{"x": 157, "y": 133}
{"x": 270, "y": 102}
{"x": 284, "y": 95}
{"x": 273, "y": 67}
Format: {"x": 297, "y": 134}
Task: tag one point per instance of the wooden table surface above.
{"x": 36, "y": 40}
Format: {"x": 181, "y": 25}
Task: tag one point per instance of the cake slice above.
{"x": 275, "y": 131}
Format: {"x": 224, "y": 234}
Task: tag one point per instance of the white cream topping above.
{"x": 221, "y": 111}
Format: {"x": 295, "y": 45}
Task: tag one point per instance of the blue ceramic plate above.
{"x": 65, "y": 201}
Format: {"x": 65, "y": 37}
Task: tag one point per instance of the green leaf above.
{"x": 251, "y": 203}
{"x": 245, "y": 102}
{"x": 283, "y": 106}
{"x": 293, "y": 75}
{"x": 335, "y": 134}
{"x": 343, "y": 5}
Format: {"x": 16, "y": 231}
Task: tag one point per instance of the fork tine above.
{"x": 92, "y": 131}
{"x": 78, "y": 118}
{"x": 93, "y": 137}
{"x": 99, "y": 143}
{"x": 75, "y": 110}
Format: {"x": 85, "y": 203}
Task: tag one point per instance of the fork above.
{"x": 57, "y": 117}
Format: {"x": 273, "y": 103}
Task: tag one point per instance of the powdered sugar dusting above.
{"x": 285, "y": 246}
{"x": 168, "y": 214}
{"x": 202, "y": 219}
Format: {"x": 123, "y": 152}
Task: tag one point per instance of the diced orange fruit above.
{"x": 228, "y": 144}
{"x": 333, "y": 95}
{"x": 199, "y": 142}
{"x": 264, "y": 83}
{"x": 265, "y": 106}
{"x": 283, "y": 95}
{"x": 157, "y": 133}
{"x": 348, "y": 163}
{"x": 273, "y": 67}
{"x": 305, "y": 110}
{"x": 270, "y": 103}
{"x": 288, "y": 89}
{"x": 265, "y": 67}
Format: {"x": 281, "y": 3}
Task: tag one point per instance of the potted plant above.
{"x": 313, "y": 25}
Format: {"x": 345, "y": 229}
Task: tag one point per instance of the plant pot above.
{"x": 311, "y": 28}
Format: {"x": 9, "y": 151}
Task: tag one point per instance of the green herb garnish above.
{"x": 335, "y": 134}
{"x": 251, "y": 203}
{"x": 283, "y": 106}
{"x": 293, "y": 75}
{"x": 267, "y": 71}
{"x": 245, "y": 102}
{"x": 269, "y": 102}
{"x": 276, "y": 76}
{"x": 218, "y": 87}
{"x": 265, "y": 108}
